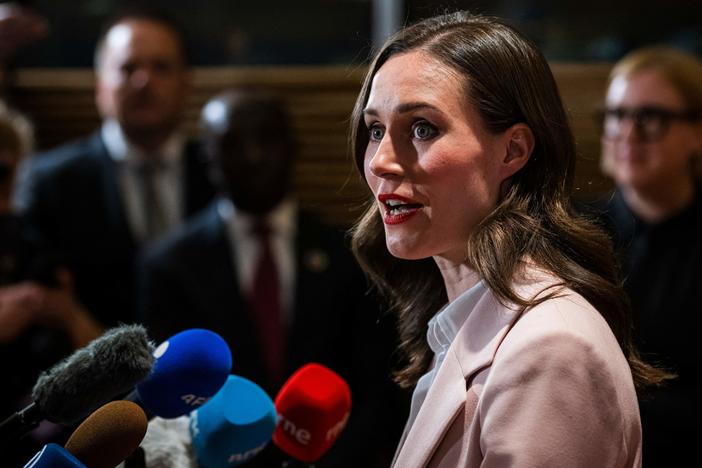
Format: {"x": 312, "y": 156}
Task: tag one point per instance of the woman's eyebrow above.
{"x": 403, "y": 108}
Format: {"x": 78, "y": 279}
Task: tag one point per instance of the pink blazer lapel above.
{"x": 473, "y": 349}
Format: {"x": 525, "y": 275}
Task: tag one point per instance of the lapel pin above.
{"x": 316, "y": 260}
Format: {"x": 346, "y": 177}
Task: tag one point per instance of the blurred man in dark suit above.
{"x": 98, "y": 199}
{"x": 279, "y": 285}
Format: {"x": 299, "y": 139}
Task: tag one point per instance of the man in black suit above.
{"x": 207, "y": 275}
{"x": 96, "y": 201}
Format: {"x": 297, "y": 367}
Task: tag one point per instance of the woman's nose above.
{"x": 385, "y": 161}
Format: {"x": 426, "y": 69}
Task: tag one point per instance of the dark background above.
{"x": 316, "y": 32}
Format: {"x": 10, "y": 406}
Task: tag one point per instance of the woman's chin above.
{"x": 404, "y": 253}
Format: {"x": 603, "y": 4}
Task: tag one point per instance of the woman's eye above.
{"x": 423, "y": 130}
{"x": 376, "y": 133}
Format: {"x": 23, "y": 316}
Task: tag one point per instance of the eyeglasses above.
{"x": 651, "y": 123}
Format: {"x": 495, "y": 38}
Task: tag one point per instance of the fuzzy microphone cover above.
{"x": 107, "y": 367}
{"x": 167, "y": 444}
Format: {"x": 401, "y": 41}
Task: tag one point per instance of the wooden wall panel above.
{"x": 60, "y": 102}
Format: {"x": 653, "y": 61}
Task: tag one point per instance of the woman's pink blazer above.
{"x": 549, "y": 388}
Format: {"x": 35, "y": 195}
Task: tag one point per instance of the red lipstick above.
{"x": 398, "y": 209}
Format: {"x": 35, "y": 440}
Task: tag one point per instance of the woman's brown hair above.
{"x": 508, "y": 81}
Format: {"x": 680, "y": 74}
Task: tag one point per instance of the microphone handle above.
{"x": 20, "y": 423}
{"x": 136, "y": 460}
{"x": 133, "y": 396}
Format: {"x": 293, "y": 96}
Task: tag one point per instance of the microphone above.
{"x": 103, "y": 440}
{"x": 109, "y": 435}
{"x": 234, "y": 426}
{"x": 190, "y": 367}
{"x": 167, "y": 444}
{"x": 228, "y": 430}
{"x": 54, "y": 456}
{"x": 313, "y": 408}
{"x": 108, "y": 366}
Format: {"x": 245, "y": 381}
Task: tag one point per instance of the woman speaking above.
{"x": 515, "y": 331}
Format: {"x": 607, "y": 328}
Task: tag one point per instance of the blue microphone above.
{"x": 54, "y": 456}
{"x": 234, "y": 426}
{"x": 191, "y": 366}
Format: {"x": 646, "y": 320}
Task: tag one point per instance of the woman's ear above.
{"x": 519, "y": 144}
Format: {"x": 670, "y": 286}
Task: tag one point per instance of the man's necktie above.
{"x": 266, "y": 306}
{"x": 154, "y": 215}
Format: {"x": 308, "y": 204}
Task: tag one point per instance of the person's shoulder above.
{"x": 316, "y": 235}
{"x": 193, "y": 148}
{"x": 312, "y": 227}
{"x": 559, "y": 310}
{"x": 563, "y": 311}
{"x": 609, "y": 208}
{"x": 564, "y": 327}
{"x": 610, "y": 213}
{"x": 192, "y": 238}
{"x": 565, "y": 343}
{"x": 67, "y": 157}
{"x": 193, "y": 154}
{"x": 597, "y": 208}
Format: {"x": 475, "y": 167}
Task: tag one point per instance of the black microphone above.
{"x": 107, "y": 367}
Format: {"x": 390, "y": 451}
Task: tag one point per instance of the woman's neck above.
{"x": 656, "y": 205}
{"x": 458, "y": 277}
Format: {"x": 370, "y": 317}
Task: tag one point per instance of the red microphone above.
{"x": 313, "y": 407}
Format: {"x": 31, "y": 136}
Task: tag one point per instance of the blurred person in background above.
{"x": 651, "y": 147}
{"x": 276, "y": 282}
{"x": 40, "y": 320}
{"x": 98, "y": 200}
{"x": 20, "y": 26}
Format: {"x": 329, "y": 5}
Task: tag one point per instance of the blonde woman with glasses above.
{"x": 651, "y": 144}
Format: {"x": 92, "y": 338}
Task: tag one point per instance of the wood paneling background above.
{"x": 60, "y": 103}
